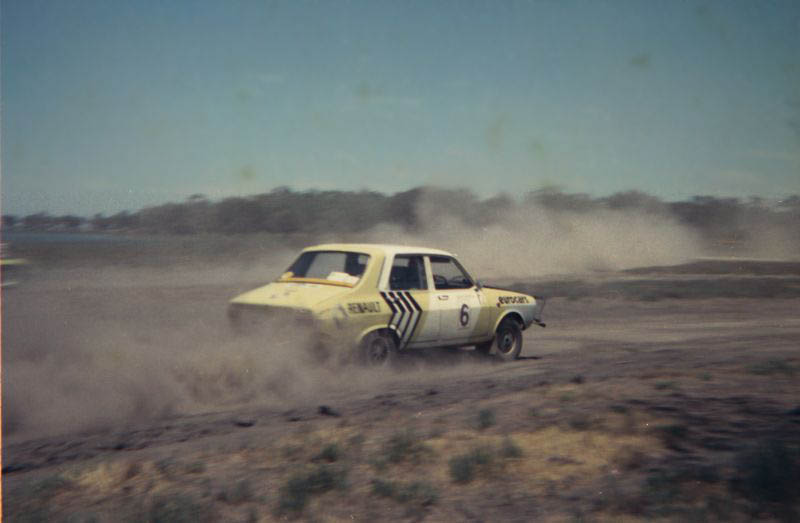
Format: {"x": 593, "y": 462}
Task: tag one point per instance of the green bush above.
{"x": 462, "y": 469}
{"x": 580, "y": 422}
{"x": 384, "y": 489}
{"x": 771, "y": 367}
{"x": 768, "y": 475}
{"x": 464, "y": 466}
{"x": 329, "y": 453}
{"x": 404, "y": 446}
{"x": 666, "y": 385}
{"x": 418, "y": 492}
{"x": 50, "y": 486}
{"x": 673, "y": 435}
{"x": 485, "y": 419}
{"x": 295, "y": 493}
{"x": 239, "y": 492}
{"x": 196, "y": 468}
{"x": 510, "y": 450}
{"x": 179, "y": 508}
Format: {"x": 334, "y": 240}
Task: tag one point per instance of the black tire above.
{"x": 508, "y": 340}
{"x": 378, "y": 348}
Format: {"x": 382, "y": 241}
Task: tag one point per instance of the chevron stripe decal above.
{"x": 418, "y": 310}
{"x": 406, "y": 313}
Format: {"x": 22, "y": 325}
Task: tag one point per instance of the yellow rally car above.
{"x": 380, "y": 299}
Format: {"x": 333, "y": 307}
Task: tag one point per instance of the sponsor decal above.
{"x": 406, "y": 313}
{"x": 364, "y": 307}
{"x": 511, "y": 300}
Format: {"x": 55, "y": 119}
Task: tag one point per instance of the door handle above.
{"x": 444, "y": 297}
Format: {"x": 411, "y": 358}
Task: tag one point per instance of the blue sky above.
{"x": 111, "y": 105}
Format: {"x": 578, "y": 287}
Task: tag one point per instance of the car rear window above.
{"x": 345, "y": 267}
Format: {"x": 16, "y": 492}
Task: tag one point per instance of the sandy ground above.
{"x": 128, "y": 399}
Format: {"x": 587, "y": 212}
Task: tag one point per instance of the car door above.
{"x": 458, "y": 300}
{"x": 407, "y": 294}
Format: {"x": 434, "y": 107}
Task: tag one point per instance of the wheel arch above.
{"x": 514, "y": 315}
{"x": 377, "y": 328}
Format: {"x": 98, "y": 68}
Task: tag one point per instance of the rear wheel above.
{"x": 508, "y": 339}
{"x": 378, "y": 348}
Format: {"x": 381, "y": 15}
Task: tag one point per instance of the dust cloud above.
{"x": 81, "y": 356}
{"x": 522, "y": 240}
{"x": 141, "y": 358}
{"x": 117, "y": 342}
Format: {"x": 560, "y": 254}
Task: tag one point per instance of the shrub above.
{"x": 510, "y": 450}
{"x": 464, "y": 467}
{"x": 295, "y": 493}
{"x": 768, "y": 475}
{"x": 771, "y": 367}
{"x": 662, "y": 487}
{"x": 329, "y": 453}
{"x": 418, "y": 492}
{"x": 628, "y": 458}
{"x": 168, "y": 466}
{"x": 178, "y": 508}
{"x": 239, "y": 492}
{"x": 403, "y": 446}
{"x": 485, "y": 419}
{"x": 50, "y": 486}
{"x": 580, "y": 422}
{"x": 566, "y": 397}
{"x": 196, "y": 468}
{"x": 672, "y": 435}
{"x": 385, "y": 489}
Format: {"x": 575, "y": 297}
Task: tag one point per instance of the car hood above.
{"x": 290, "y": 295}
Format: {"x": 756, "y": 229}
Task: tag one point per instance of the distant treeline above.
{"x": 285, "y": 211}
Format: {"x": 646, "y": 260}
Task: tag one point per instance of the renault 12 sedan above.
{"x": 381, "y": 299}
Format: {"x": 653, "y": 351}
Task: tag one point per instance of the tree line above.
{"x": 286, "y": 211}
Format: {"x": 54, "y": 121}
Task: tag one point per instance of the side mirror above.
{"x": 479, "y": 285}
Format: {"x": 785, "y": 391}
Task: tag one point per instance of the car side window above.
{"x": 448, "y": 274}
{"x": 408, "y": 273}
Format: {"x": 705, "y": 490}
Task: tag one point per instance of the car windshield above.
{"x": 332, "y": 266}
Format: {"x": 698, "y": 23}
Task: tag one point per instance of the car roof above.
{"x": 377, "y": 248}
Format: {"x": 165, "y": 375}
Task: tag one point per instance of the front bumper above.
{"x": 537, "y": 313}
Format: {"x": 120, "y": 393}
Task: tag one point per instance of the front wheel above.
{"x": 378, "y": 348}
{"x": 508, "y": 340}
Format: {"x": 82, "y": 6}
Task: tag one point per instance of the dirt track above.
{"x": 620, "y": 407}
